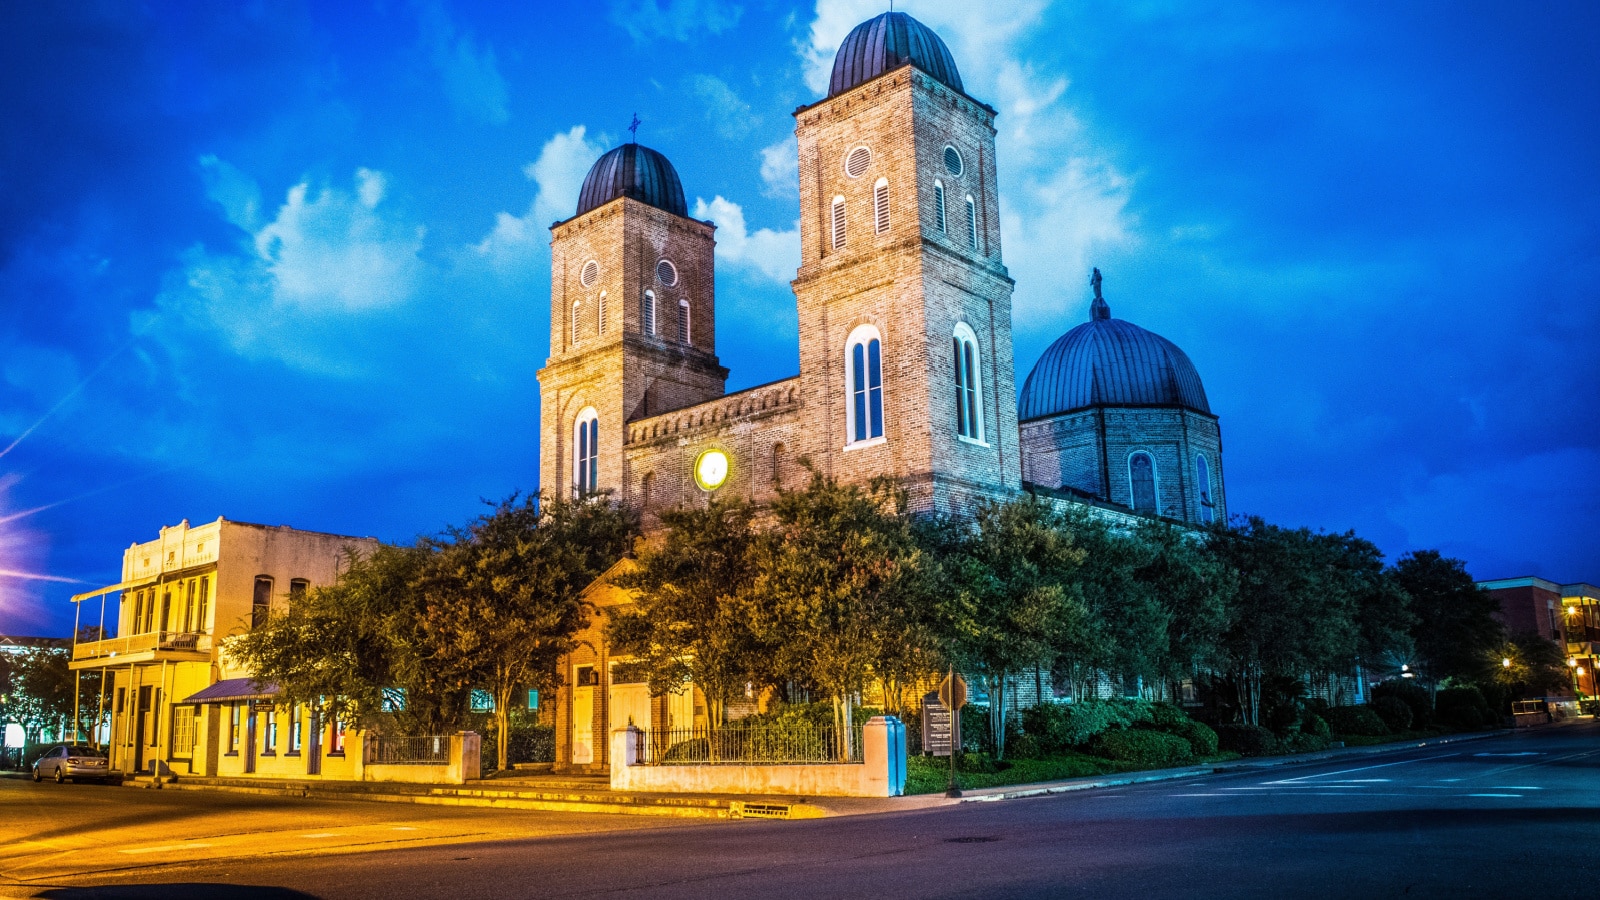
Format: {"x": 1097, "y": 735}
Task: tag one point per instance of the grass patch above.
{"x": 931, "y": 775}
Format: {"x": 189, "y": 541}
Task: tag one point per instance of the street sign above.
{"x": 953, "y": 691}
{"x": 935, "y": 725}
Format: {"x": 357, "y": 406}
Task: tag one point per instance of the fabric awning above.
{"x": 234, "y": 689}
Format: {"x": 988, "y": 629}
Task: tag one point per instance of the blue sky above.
{"x": 288, "y": 263}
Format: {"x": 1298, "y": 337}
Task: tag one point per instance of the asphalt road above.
{"x": 1517, "y": 816}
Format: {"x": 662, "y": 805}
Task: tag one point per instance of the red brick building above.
{"x": 1566, "y": 614}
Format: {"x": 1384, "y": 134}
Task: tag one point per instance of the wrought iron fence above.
{"x": 430, "y": 750}
{"x": 786, "y": 744}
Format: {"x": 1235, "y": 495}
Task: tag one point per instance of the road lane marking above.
{"x": 319, "y": 835}
{"x": 1494, "y": 795}
{"x": 1523, "y": 753}
{"x": 1403, "y": 762}
{"x": 1516, "y": 787}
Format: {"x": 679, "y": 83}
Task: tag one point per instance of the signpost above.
{"x": 953, "y": 695}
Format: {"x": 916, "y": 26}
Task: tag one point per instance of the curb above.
{"x": 1270, "y": 762}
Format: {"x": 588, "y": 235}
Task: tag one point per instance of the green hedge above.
{"x": 1361, "y": 720}
{"x": 1142, "y": 747}
{"x": 1064, "y": 726}
{"x": 1249, "y": 740}
{"x": 1395, "y": 713}
{"x": 1201, "y": 737}
{"x": 1412, "y": 695}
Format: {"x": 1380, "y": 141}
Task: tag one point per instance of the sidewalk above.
{"x": 592, "y": 794}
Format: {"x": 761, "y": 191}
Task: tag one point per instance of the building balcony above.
{"x": 153, "y": 646}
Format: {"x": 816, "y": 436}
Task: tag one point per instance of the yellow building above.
{"x": 176, "y": 705}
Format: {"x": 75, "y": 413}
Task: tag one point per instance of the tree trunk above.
{"x": 997, "y": 717}
{"x": 502, "y": 728}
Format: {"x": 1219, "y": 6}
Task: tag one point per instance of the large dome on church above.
{"x": 633, "y": 170}
{"x": 1110, "y": 362}
{"x": 886, "y": 43}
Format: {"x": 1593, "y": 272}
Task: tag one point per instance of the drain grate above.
{"x": 742, "y": 810}
{"x": 973, "y": 839}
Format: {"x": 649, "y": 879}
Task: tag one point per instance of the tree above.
{"x": 1010, "y": 572}
{"x": 502, "y": 596}
{"x": 39, "y": 689}
{"x": 689, "y": 624}
{"x": 1538, "y": 667}
{"x": 836, "y": 580}
{"x": 1455, "y": 629}
{"x": 338, "y": 647}
{"x": 1193, "y": 589}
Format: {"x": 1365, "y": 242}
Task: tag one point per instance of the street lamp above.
{"x": 1506, "y": 662}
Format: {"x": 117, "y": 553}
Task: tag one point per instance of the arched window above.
{"x": 261, "y": 601}
{"x": 1142, "y": 480}
{"x": 1202, "y": 483}
{"x": 864, "y": 373}
{"x": 577, "y": 308}
{"x": 683, "y": 321}
{"x": 646, "y": 488}
{"x": 838, "y": 223}
{"x": 880, "y": 205}
{"x": 647, "y": 313}
{"x": 938, "y": 206}
{"x": 777, "y": 465}
{"x": 600, "y": 313}
{"x": 586, "y": 453}
{"x": 969, "y": 391}
{"x": 972, "y": 223}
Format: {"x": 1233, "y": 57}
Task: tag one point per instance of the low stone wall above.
{"x": 882, "y": 772}
{"x": 465, "y": 765}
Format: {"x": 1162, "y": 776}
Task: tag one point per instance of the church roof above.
{"x": 1110, "y": 362}
{"x": 886, "y": 43}
{"x": 633, "y": 170}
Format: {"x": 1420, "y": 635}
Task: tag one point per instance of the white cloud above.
{"x": 1063, "y": 202}
{"x": 726, "y": 112}
{"x": 780, "y": 168}
{"x": 679, "y": 20}
{"x": 774, "y": 255}
{"x": 557, "y": 175}
{"x": 470, "y": 73}
{"x": 293, "y": 286}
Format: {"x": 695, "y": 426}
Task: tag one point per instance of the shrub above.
{"x": 1301, "y": 742}
{"x": 1249, "y": 740}
{"x": 1315, "y": 726}
{"x": 1167, "y": 717}
{"x": 1466, "y": 717}
{"x": 975, "y": 731}
{"x": 1358, "y": 720}
{"x": 1023, "y": 746}
{"x": 1395, "y": 713}
{"x": 1451, "y": 700}
{"x": 1414, "y": 695}
{"x": 1202, "y": 739}
{"x": 1142, "y": 747}
{"x": 1062, "y": 726}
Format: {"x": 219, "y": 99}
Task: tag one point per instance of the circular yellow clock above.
{"x": 711, "y": 469}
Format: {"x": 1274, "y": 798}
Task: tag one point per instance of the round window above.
{"x": 855, "y": 164}
{"x": 590, "y": 272}
{"x": 666, "y": 272}
{"x": 952, "y": 161}
{"x": 711, "y": 469}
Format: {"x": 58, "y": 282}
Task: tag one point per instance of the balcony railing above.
{"x": 149, "y": 642}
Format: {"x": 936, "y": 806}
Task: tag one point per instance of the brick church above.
{"x": 906, "y": 362}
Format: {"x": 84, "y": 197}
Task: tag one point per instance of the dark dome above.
{"x": 886, "y": 43}
{"x": 1110, "y": 362}
{"x": 633, "y": 170}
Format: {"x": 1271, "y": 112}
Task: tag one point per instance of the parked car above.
{"x": 72, "y": 761}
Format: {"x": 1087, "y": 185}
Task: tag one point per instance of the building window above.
{"x": 586, "y": 456}
{"x": 952, "y": 161}
{"x": 150, "y": 610}
{"x": 138, "y": 613}
{"x": 666, "y": 272}
{"x": 880, "y": 205}
{"x": 591, "y": 271}
{"x": 683, "y": 321}
{"x": 270, "y": 740}
{"x": 1202, "y": 481}
{"x": 969, "y": 393}
{"x": 202, "y": 608}
{"x": 577, "y": 308}
{"x": 261, "y": 602}
{"x": 647, "y": 313}
{"x": 838, "y": 223}
{"x": 233, "y": 726}
{"x": 480, "y": 701}
{"x": 1142, "y": 481}
{"x": 336, "y": 745}
{"x": 295, "y": 725}
{"x": 857, "y": 161}
{"x": 188, "y": 606}
{"x": 600, "y": 313}
{"x": 777, "y": 465}
{"x": 298, "y": 587}
{"x": 972, "y": 223}
{"x": 938, "y": 206}
{"x": 647, "y": 486}
{"x": 165, "y": 622}
{"x": 864, "y": 362}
